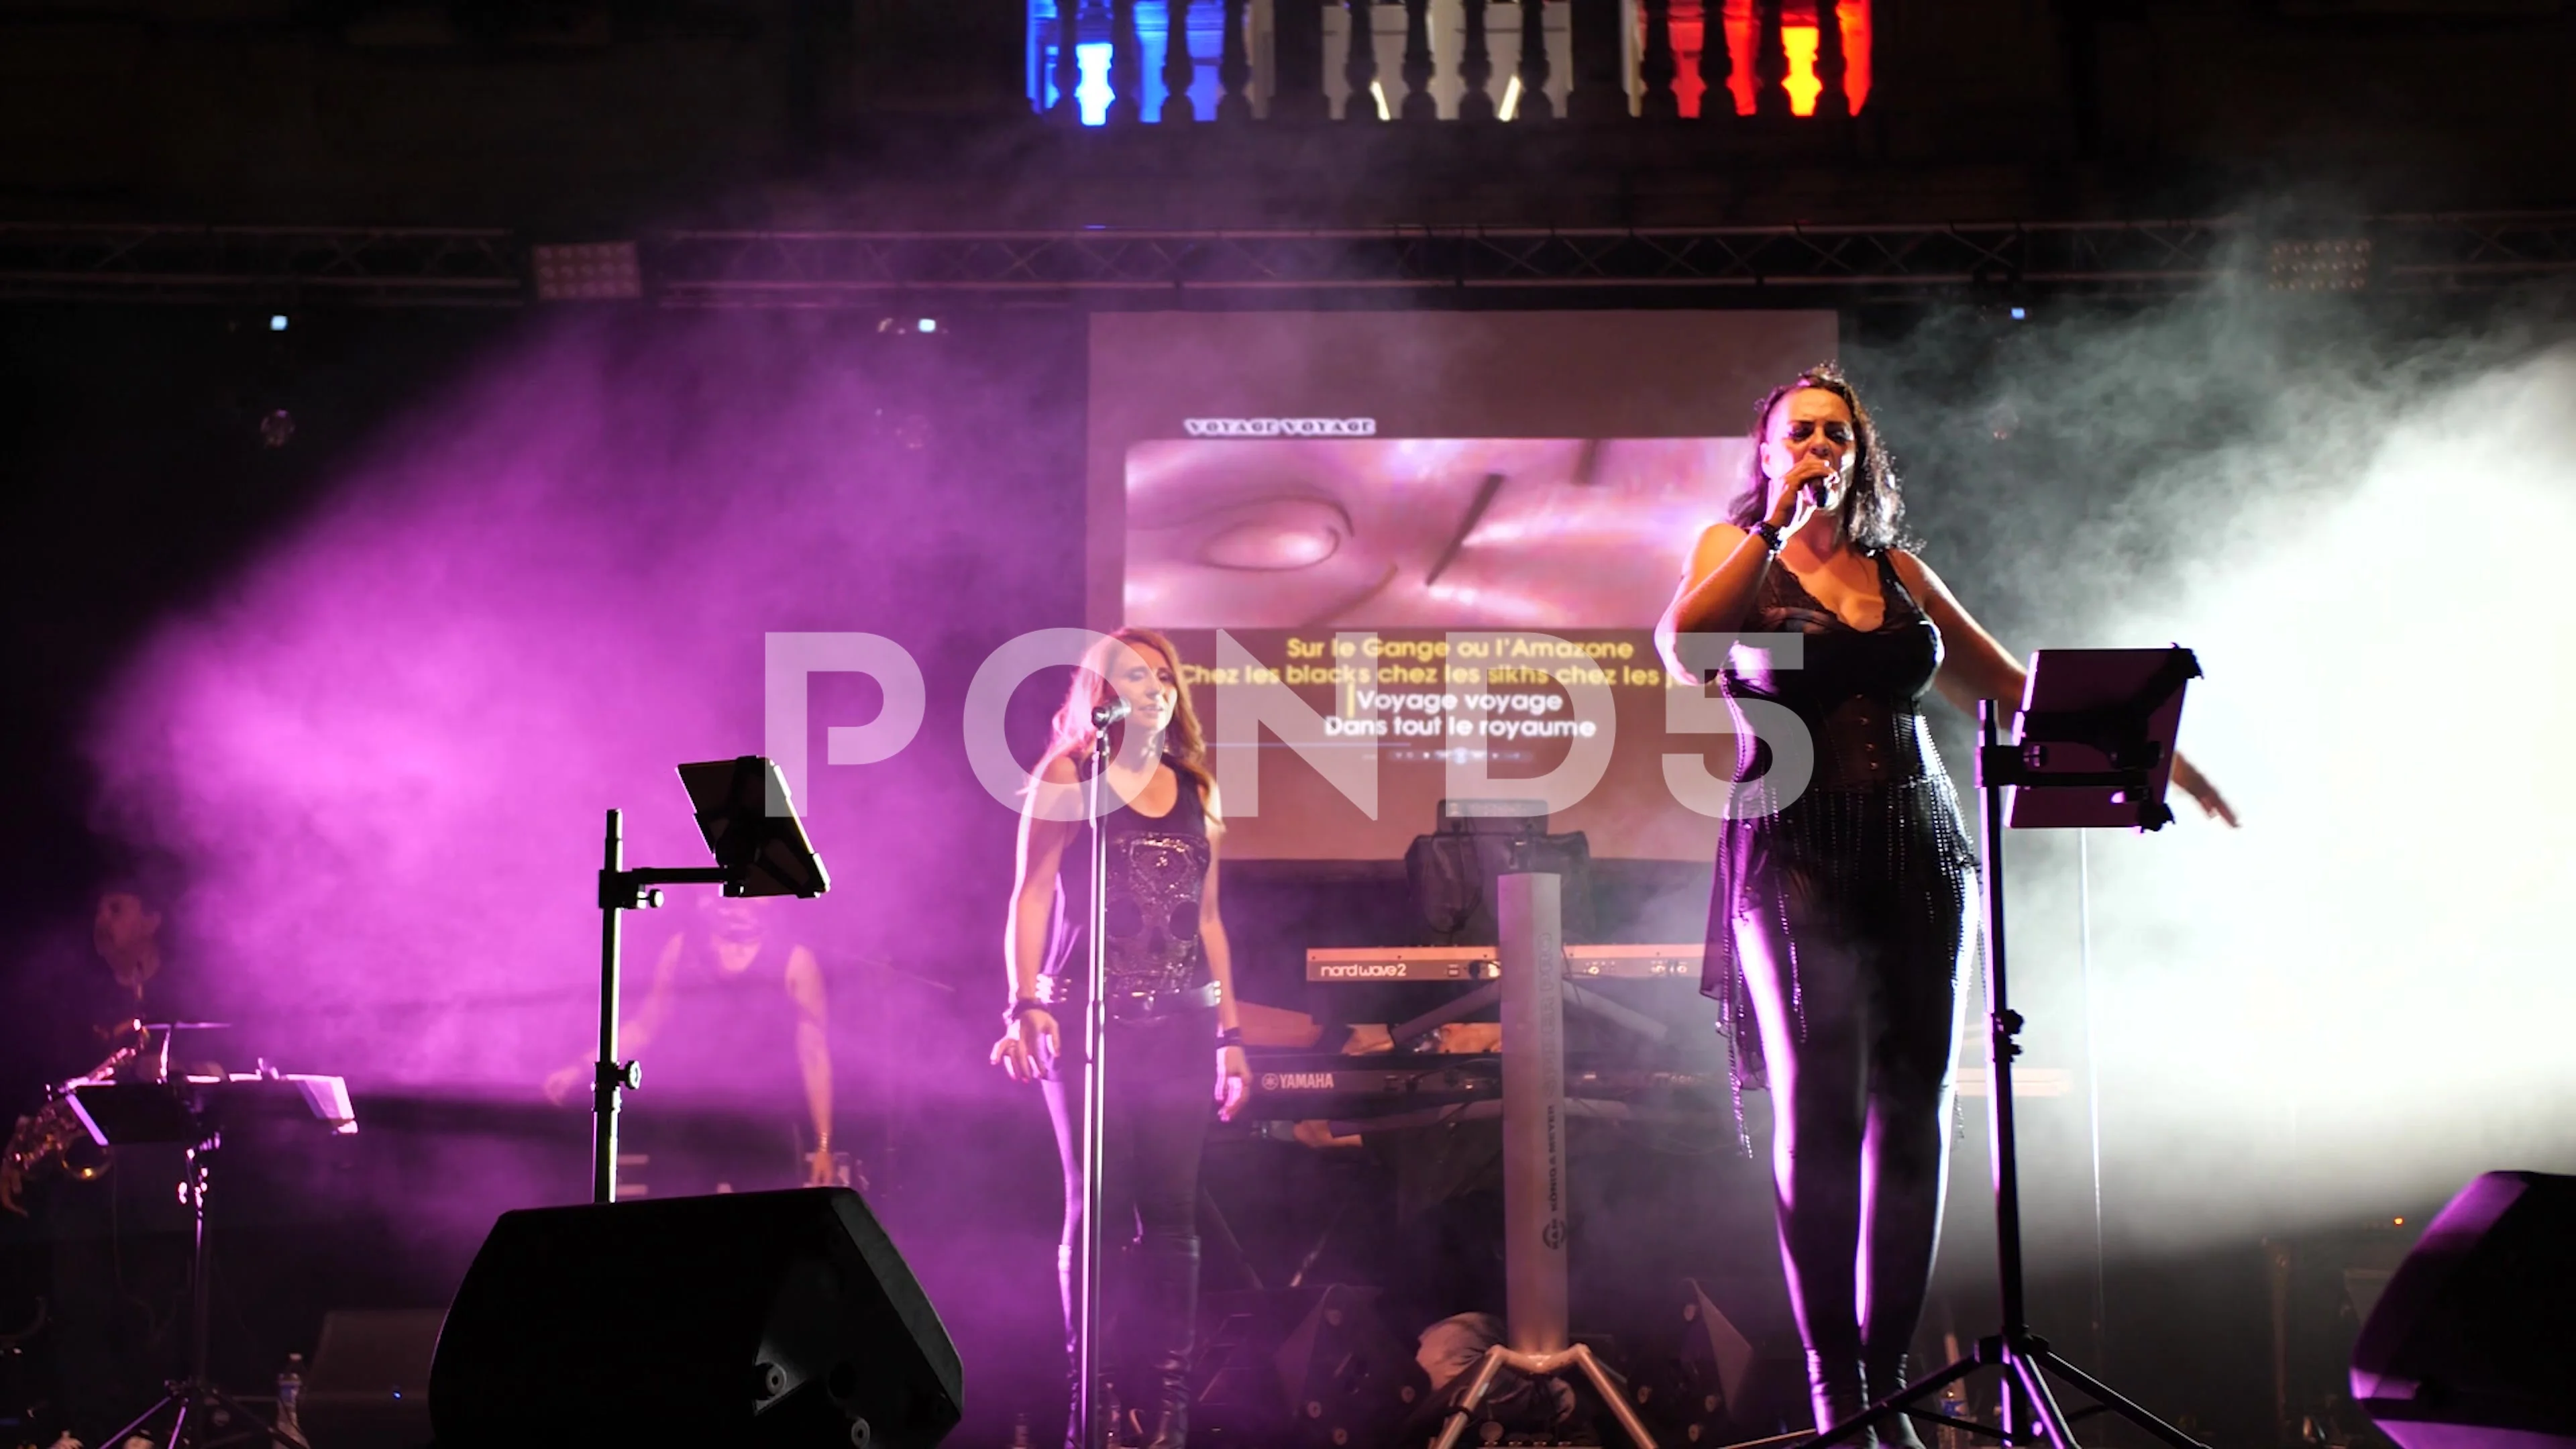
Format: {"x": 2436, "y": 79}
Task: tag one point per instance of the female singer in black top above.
{"x": 1171, "y": 1005}
{"x": 1840, "y": 916}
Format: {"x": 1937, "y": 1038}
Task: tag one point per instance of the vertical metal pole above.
{"x": 1532, "y": 956}
{"x": 606, "y": 1078}
{"x": 201, "y": 1281}
{"x": 2092, "y": 1081}
{"x": 2001, "y": 1025}
{"x": 1095, "y": 1099}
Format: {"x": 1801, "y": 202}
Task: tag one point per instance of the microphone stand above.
{"x": 1089, "y": 1402}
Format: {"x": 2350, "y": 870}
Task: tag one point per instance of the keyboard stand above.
{"x": 1537, "y": 1339}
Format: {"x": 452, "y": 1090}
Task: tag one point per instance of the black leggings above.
{"x": 1162, "y": 1094}
{"x": 1859, "y": 1035}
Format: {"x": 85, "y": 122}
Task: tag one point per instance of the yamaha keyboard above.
{"x": 1293, "y": 1086}
{"x": 1484, "y": 963}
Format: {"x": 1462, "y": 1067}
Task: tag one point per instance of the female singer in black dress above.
{"x": 1840, "y": 918}
{"x": 1172, "y": 1012}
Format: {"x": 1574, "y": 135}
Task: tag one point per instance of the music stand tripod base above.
{"x": 119, "y": 1113}
{"x": 2098, "y": 730}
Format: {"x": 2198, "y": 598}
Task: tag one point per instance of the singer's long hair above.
{"x": 1073, "y": 733}
{"x": 1874, "y": 510}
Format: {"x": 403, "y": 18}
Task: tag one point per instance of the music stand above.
{"x": 2096, "y": 748}
{"x": 158, "y": 1036}
{"x": 189, "y": 1111}
{"x": 760, "y": 848}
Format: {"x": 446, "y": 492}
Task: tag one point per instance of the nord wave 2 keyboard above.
{"x": 1481, "y": 963}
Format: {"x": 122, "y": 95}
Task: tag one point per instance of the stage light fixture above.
{"x": 2019, "y": 314}
{"x": 2321, "y": 266}
{"x": 926, "y": 325}
{"x": 587, "y": 272}
{"x": 277, "y": 322}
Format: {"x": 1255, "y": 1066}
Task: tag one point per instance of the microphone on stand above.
{"x": 1103, "y": 716}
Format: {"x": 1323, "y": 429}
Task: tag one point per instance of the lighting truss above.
{"x": 831, "y": 268}
{"x": 704, "y": 268}
{"x": 2457, "y": 251}
{"x": 742, "y": 268}
{"x": 385, "y": 266}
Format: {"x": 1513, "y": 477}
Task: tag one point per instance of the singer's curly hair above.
{"x": 1874, "y": 510}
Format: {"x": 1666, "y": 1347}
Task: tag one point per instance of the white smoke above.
{"x": 2344, "y": 1010}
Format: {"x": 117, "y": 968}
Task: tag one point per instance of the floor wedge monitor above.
{"x": 769, "y": 1319}
{"x": 2471, "y": 1343}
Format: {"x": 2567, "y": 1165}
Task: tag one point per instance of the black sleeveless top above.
{"x": 729, "y": 1041}
{"x": 1859, "y": 693}
{"x": 1158, "y": 866}
{"x": 1874, "y": 839}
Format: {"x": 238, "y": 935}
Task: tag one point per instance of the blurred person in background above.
{"x": 734, "y": 1034}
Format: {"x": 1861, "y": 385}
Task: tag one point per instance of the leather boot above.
{"x": 1838, "y": 1393}
{"x": 1171, "y": 1311}
{"x": 1068, "y": 1280}
{"x": 1118, "y": 1437}
{"x": 1886, "y": 1374}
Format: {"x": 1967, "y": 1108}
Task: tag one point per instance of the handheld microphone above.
{"x": 1103, "y": 716}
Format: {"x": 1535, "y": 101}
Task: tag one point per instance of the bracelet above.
{"x": 1231, "y": 1036}
{"x": 1769, "y": 533}
{"x": 1023, "y": 1006}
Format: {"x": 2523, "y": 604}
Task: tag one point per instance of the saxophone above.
{"x": 53, "y": 1138}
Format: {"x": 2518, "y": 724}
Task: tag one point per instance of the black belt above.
{"x": 1139, "y": 1006}
{"x": 1863, "y": 742}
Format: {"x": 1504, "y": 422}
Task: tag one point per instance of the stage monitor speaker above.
{"x": 1692, "y": 1385}
{"x": 766, "y": 1318}
{"x": 369, "y": 1387}
{"x": 2472, "y": 1343}
{"x": 1302, "y": 1366}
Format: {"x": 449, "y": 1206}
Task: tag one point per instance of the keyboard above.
{"x": 1483, "y": 963}
{"x": 1300, "y": 1085}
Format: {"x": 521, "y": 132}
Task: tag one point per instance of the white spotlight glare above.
{"x": 928, "y": 324}
{"x": 277, "y": 322}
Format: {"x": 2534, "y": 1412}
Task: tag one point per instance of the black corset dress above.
{"x": 1875, "y": 841}
{"x": 1158, "y": 867}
